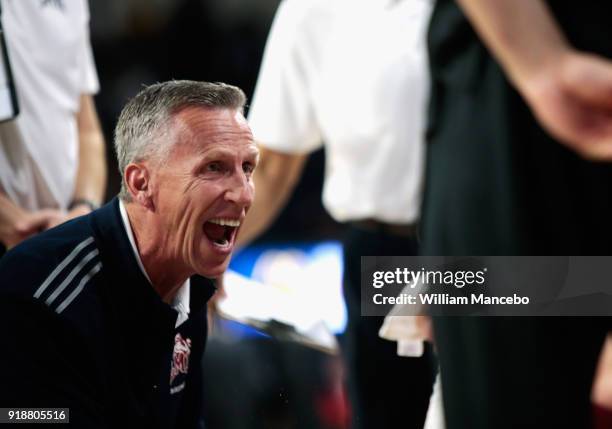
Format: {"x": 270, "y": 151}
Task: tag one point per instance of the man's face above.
{"x": 204, "y": 188}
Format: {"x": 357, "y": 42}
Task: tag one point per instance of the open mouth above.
{"x": 221, "y": 231}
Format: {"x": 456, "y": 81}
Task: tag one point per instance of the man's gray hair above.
{"x": 143, "y": 127}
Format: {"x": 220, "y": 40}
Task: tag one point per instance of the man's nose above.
{"x": 240, "y": 190}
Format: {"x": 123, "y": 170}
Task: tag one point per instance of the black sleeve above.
{"x": 44, "y": 362}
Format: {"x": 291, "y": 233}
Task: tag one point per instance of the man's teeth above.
{"x": 226, "y": 222}
{"x": 221, "y": 241}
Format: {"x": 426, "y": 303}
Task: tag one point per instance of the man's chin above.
{"x": 213, "y": 272}
{"x": 214, "y": 262}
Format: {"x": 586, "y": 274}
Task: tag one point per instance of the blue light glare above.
{"x": 313, "y": 271}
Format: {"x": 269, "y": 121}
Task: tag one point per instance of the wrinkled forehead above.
{"x": 205, "y": 127}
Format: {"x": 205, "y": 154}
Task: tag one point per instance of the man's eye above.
{"x": 214, "y": 167}
{"x": 247, "y": 167}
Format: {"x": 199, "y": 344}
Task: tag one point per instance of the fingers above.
{"x": 424, "y": 327}
{"x": 596, "y": 153}
{"x": 80, "y": 210}
{"x": 589, "y": 77}
{"x": 35, "y": 222}
{"x": 38, "y": 221}
{"x": 596, "y": 150}
{"x": 32, "y": 223}
{"x": 588, "y": 80}
{"x": 574, "y": 104}
{"x": 593, "y": 141}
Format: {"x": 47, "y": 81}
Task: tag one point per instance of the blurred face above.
{"x": 203, "y": 190}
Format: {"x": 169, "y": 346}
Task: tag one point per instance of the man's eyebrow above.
{"x": 220, "y": 153}
{"x": 254, "y": 151}
{"x": 213, "y": 153}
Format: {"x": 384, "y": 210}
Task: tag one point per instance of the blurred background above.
{"x": 252, "y": 380}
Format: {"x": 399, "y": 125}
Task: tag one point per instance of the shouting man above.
{"x": 106, "y": 314}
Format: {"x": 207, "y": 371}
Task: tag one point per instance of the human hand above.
{"x": 424, "y": 328}
{"x": 572, "y": 99}
{"x": 407, "y": 328}
{"x": 31, "y": 223}
{"x": 77, "y": 211}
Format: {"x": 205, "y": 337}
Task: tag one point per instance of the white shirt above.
{"x": 352, "y": 74}
{"x": 180, "y": 302}
{"x": 52, "y": 62}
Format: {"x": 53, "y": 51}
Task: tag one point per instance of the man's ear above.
{"x": 138, "y": 182}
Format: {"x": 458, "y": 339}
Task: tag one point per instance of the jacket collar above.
{"x": 129, "y": 287}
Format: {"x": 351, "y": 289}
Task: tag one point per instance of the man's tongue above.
{"x": 214, "y": 232}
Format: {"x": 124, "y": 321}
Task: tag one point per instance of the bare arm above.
{"x": 91, "y": 173}
{"x": 569, "y": 91}
{"x": 10, "y": 215}
{"x": 275, "y": 178}
{"x": 522, "y": 34}
{"x": 17, "y": 224}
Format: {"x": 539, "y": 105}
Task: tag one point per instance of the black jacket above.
{"x": 81, "y": 327}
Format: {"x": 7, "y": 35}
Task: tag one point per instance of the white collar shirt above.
{"x": 180, "y": 302}
{"x": 350, "y": 75}
{"x": 52, "y": 62}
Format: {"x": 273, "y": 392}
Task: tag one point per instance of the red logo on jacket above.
{"x": 180, "y": 357}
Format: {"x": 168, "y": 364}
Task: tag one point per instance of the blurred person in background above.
{"x": 52, "y": 156}
{"x": 519, "y": 136}
{"x": 350, "y": 76}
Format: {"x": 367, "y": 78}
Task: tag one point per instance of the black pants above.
{"x": 387, "y": 391}
{"x": 498, "y": 184}
{"x": 518, "y": 372}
